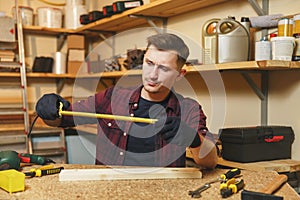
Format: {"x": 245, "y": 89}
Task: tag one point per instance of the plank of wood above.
{"x": 282, "y": 165}
{"x": 129, "y": 173}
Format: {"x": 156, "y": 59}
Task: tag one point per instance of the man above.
{"x": 181, "y": 121}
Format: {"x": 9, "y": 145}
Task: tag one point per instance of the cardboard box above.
{"x": 74, "y": 67}
{"x": 75, "y": 42}
{"x": 76, "y": 55}
{"x": 259, "y": 143}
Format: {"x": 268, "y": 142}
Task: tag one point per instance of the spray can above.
{"x": 209, "y": 41}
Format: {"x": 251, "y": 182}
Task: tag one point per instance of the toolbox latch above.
{"x": 276, "y": 138}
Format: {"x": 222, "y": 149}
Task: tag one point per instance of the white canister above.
{"x": 59, "y": 66}
{"x": 72, "y": 16}
{"x": 49, "y": 17}
{"x": 263, "y": 50}
{"x": 26, "y": 14}
{"x": 282, "y": 48}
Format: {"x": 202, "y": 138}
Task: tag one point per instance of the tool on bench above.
{"x": 13, "y": 159}
{"x": 42, "y": 171}
{"x": 104, "y": 116}
{"x": 223, "y": 177}
{"x": 266, "y": 193}
{"x": 230, "y": 187}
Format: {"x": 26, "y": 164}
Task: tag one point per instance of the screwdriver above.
{"x": 230, "y": 174}
{"x": 45, "y": 170}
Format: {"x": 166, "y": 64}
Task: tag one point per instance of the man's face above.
{"x": 160, "y": 71}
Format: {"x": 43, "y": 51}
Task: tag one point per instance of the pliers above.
{"x": 222, "y": 178}
{"x": 230, "y": 187}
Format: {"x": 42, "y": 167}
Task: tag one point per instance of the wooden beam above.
{"x": 128, "y": 173}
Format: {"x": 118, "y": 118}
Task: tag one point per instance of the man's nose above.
{"x": 154, "y": 72}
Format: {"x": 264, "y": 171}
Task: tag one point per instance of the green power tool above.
{"x": 13, "y": 159}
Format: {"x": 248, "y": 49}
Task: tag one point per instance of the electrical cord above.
{"x": 31, "y": 126}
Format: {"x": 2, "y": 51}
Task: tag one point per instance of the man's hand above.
{"x": 47, "y": 106}
{"x": 175, "y": 131}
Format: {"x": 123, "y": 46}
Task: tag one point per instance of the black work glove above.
{"x": 47, "y": 106}
{"x": 175, "y": 131}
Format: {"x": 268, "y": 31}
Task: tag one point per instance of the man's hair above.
{"x": 168, "y": 41}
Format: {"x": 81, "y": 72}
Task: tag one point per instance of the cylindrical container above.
{"x": 73, "y": 2}
{"x": 296, "y": 53}
{"x": 49, "y": 17}
{"x": 72, "y": 16}
{"x": 284, "y": 27}
{"x": 263, "y": 50}
{"x": 282, "y": 48}
{"x": 59, "y": 66}
{"x": 26, "y": 14}
{"x": 296, "y": 28}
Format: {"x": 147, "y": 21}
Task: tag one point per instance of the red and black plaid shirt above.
{"x": 112, "y": 135}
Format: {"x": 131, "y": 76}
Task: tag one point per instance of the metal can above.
{"x": 285, "y": 27}
{"x": 296, "y": 28}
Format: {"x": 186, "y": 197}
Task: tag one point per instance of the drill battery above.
{"x": 121, "y": 6}
{"x": 108, "y": 11}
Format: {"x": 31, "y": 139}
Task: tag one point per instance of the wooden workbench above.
{"x": 49, "y": 187}
{"x": 282, "y": 165}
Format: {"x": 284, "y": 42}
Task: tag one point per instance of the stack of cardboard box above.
{"x": 76, "y": 53}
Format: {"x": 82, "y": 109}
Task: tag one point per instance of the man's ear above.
{"x": 181, "y": 74}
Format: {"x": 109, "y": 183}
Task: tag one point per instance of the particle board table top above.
{"x": 49, "y": 187}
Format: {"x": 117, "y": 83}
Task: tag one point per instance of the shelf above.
{"x": 246, "y": 65}
{"x": 158, "y": 8}
{"x": 46, "y": 31}
{"x": 36, "y": 75}
{"x": 123, "y": 21}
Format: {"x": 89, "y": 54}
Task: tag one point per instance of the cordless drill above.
{"x": 13, "y": 159}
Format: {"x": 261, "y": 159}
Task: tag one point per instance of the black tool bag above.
{"x": 260, "y": 143}
{"x": 43, "y": 64}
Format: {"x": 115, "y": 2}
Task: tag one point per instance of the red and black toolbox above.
{"x": 259, "y": 143}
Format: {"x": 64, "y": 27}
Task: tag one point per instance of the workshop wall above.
{"x": 239, "y": 106}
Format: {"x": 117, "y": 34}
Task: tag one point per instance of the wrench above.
{"x": 197, "y": 193}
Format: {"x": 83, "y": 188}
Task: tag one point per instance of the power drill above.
{"x": 13, "y": 159}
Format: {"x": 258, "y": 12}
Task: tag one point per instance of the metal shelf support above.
{"x": 261, "y": 92}
{"x": 151, "y": 22}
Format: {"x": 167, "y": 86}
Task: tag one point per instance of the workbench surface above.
{"x": 49, "y": 187}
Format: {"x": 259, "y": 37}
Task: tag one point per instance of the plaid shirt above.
{"x": 112, "y": 135}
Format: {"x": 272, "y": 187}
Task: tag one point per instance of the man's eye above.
{"x": 165, "y": 69}
{"x": 150, "y": 63}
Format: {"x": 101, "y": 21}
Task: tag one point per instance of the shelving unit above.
{"x": 159, "y": 10}
{"x": 14, "y": 134}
